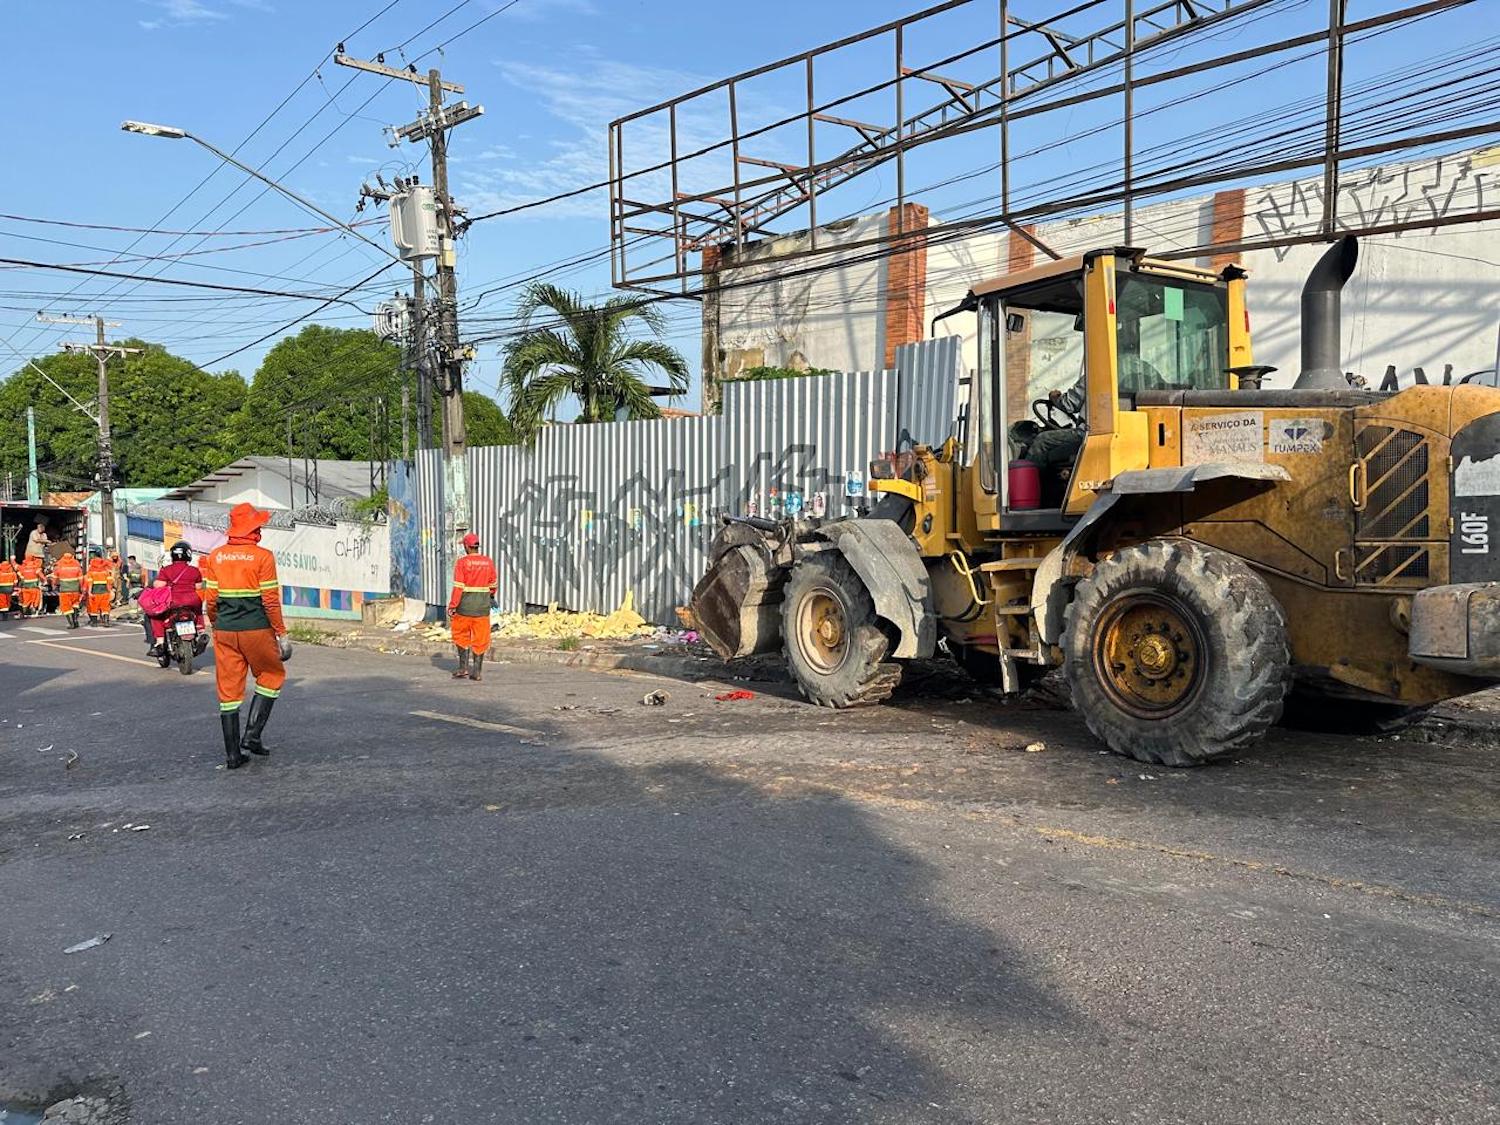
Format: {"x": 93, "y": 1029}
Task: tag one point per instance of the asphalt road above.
{"x": 536, "y": 900}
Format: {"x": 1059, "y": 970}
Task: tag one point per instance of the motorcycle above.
{"x": 183, "y": 641}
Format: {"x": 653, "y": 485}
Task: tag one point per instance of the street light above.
{"x": 174, "y": 133}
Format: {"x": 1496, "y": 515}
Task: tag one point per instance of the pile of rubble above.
{"x": 622, "y": 624}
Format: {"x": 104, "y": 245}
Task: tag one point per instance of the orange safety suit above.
{"x": 100, "y": 586}
{"x": 244, "y": 607}
{"x": 8, "y": 580}
{"x": 69, "y": 577}
{"x": 474, "y": 585}
{"x": 30, "y": 575}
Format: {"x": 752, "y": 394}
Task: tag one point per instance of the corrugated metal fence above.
{"x": 591, "y": 513}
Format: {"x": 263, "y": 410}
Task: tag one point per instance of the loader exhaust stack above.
{"x": 1322, "y": 365}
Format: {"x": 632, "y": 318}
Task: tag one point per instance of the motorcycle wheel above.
{"x": 185, "y": 659}
{"x": 164, "y": 657}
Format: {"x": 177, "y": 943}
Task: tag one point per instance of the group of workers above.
{"x": 242, "y": 601}
{"x": 27, "y": 583}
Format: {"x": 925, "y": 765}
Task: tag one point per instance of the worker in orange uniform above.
{"x": 99, "y": 583}
{"x": 244, "y": 607}
{"x": 8, "y": 580}
{"x": 474, "y": 586}
{"x": 30, "y": 575}
{"x": 68, "y": 575}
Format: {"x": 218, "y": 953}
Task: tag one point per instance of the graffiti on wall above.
{"x": 1407, "y": 194}
{"x": 403, "y": 520}
{"x": 563, "y": 540}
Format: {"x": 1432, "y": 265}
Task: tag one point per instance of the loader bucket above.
{"x": 737, "y": 603}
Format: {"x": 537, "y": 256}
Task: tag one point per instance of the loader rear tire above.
{"x": 834, "y": 643}
{"x": 1176, "y": 653}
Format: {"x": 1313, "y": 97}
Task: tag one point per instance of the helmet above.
{"x": 471, "y": 540}
{"x": 181, "y": 552}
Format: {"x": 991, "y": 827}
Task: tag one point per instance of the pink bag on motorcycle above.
{"x": 156, "y": 600}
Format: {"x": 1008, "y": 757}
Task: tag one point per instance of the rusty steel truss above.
{"x": 1037, "y": 69}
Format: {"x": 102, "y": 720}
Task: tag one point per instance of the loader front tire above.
{"x": 835, "y": 645}
{"x": 1176, "y": 653}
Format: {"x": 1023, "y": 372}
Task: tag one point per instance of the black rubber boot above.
{"x": 478, "y": 664}
{"x": 260, "y": 711}
{"x": 230, "y": 721}
{"x": 463, "y": 665}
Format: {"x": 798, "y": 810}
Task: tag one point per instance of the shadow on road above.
{"x": 498, "y": 921}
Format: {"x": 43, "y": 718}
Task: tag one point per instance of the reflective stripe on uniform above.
{"x": 267, "y": 692}
{"x": 235, "y": 706}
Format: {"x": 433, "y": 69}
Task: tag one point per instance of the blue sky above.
{"x": 550, "y": 74}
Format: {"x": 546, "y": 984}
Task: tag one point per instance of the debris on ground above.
{"x": 657, "y": 698}
{"x": 91, "y": 943}
{"x": 71, "y": 760}
{"x": 76, "y": 836}
{"x": 735, "y": 696}
{"x": 1035, "y": 747}
{"x": 623, "y": 623}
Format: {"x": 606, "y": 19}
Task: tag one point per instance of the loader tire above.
{"x": 1176, "y": 653}
{"x": 834, "y": 644}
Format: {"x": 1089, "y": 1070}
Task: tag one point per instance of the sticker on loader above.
{"x": 1295, "y": 435}
{"x": 1233, "y": 436}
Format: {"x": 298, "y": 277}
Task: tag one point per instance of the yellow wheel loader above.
{"x": 1125, "y": 501}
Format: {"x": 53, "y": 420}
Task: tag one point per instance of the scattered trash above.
{"x": 399, "y": 627}
{"x": 142, "y": 1034}
{"x": 1111, "y": 781}
{"x": 566, "y": 707}
{"x": 90, "y": 944}
{"x": 71, "y": 760}
{"x": 655, "y": 698}
{"x": 138, "y": 827}
{"x": 42, "y": 749}
{"x": 1035, "y": 747}
{"x": 491, "y": 808}
{"x": 200, "y": 1070}
{"x": 76, "y": 836}
{"x": 70, "y": 988}
{"x": 1148, "y": 777}
{"x": 735, "y": 696}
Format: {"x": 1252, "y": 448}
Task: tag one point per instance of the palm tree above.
{"x": 588, "y": 355}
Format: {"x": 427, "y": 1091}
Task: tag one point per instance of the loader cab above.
{"x": 1064, "y": 350}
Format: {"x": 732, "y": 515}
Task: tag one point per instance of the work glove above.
{"x": 284, "y": 646}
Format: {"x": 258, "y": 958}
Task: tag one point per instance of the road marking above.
{"x": 477, "y": 724}
{"x": 37, "y": 629}
{"x": 57, "y": 634}
{"x": 91, "y": 652}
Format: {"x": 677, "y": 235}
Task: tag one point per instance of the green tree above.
{"x": 169, "y": 419}
{"x": 325, "y": 382}
{"x": 588, "y": 355}
{"x": 485, "y": 423}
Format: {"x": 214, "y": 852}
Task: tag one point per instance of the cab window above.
{"x": 1172, "y": 335}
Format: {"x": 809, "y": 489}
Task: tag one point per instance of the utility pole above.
{"x": 419, "y": 355}
{"x": 33, "y": 482}
{"x": 102, "y": 352}
{"x": 432, "y": 127}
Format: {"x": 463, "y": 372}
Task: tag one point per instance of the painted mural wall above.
{"x": 593, "y": 513}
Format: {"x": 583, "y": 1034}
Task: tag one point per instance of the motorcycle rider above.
{"x": 182, "y": 578}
